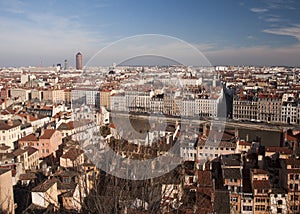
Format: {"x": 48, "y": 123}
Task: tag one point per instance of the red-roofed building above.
{"x": 261, "y": 189}
{"x": 291, "y": 179}
{"x": 284, "y": 152}
{"x": 72, "y": 158}
{"x": 205, "y": 192}
{"x": 46, "y": 144}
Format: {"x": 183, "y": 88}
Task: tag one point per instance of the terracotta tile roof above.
{"x": 293, "y": 170}
{"x": 2, "y": 171}
{"x": 259, "y": 171}
{"x": 261, "y": 184}
{"x": 4, "y": 147}
{"x": 205, "y": 179}
{"x": 31, "y": 150}
{"x": 19, "y": 152}
{"x": 31, "y": 118}
{"x": 30, "y": 137}
{"x": 244, "y": 143}
{"x": 232, "y": 173}
{"x": 6, "y": 156}
{"x": 72, "y": 154}
{"x": 48, "y": 133}
{"x": 4, "y": 124}
{"x": 281, "y": 150}
{"x": 43, "y": 187}
{"x": 27, "y": 176}
{"x": 294, "y": 162}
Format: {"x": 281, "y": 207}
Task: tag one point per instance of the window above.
{"x": 247, "y": 208}
{"x": 291, "y": 176}
{"x": 234, "y": 199}
{"x": 291, "y": 186}
{"x": 279, "y": 202}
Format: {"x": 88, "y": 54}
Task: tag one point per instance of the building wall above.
{"x": 105, "y": 99}
{"x": 10, "y": 136}
{"x": 43, "y": 199}
{"x": 6, "y": 192}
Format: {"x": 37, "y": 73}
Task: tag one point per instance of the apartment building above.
{"x": 47, "y": 143}
{"x": 261, "y": 189}
{"x": 6, "y": 192}
{"x": 10, "y": 131}
{"x": 269, "y": 108}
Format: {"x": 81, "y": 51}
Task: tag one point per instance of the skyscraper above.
{"x": 65, "y": 64}
{"x": 79, "y": 61}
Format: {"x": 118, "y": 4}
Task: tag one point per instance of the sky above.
{"x": 231, "y": 32}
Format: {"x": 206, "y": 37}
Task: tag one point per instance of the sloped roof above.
{"x": 48, "y": 133}
{"x": 30, "y": 137}
{"x": 43, "y": 187}
{"x": 72, "y": 154}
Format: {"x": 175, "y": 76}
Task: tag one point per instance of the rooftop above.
{"x": 43, "y": 187}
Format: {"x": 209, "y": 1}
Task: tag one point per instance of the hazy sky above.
{"x": 231, "y": 32}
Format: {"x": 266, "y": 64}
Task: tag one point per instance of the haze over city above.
{"x": 35, "y": 33}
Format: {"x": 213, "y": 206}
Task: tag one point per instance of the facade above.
{"x": 85, "y": 96}
{"x": 21, "y": 93}
{"x": 261, "y": 189}
{"x": 269, "y": 109}
{"x": 45, "y": 194}
{"x": 244, "y": 109}
{"x": 291, "y": 179}
{"x": 72, "y": 158}
{"x": 47, "y": 143}
{"x": 118, "y": 102}
{"x": 10, "y": 131}
{"x": 105, "y": 98}
{"x": 233, "y": 181}
{"x": 278, "y": 201}
{"x": 6, "y": 192}
{"x": 53, "y": 95}
{"x": 289, "y": 113}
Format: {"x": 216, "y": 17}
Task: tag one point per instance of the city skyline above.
{"x": 235, "y": 33}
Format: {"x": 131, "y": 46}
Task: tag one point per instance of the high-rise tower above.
{"x": 79, "y": 61}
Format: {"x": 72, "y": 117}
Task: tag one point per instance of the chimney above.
{"x": 28, "y": 118}
{"x": 42, "y": 131}
{"x": 236, "y": 132}
{"x": 10, "y": 122}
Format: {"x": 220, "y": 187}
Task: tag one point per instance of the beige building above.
{"x": 46, "y": 144}
{"x": 10, "y": 131}
{"x": 45, "y": 194}
{"x": 244, "y": 109}
{"x": 22, "y": 93}
{"x": 105, "y": 98}
{"x": 261, "y": 189}
{"x": 291, "y": 179}
{"x": 53, "y": 95}
{"x": 269, "y": 109}
{"x": 72, "y": 158}
{"x": 6, "y": 192}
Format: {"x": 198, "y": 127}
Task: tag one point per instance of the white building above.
{"x": 10, "y": 131}
{"x": 289, "y": 112}
{"x": 118, "y": 102}
{"x": 278, "y": 202}
{"x": 45, "y": 194}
